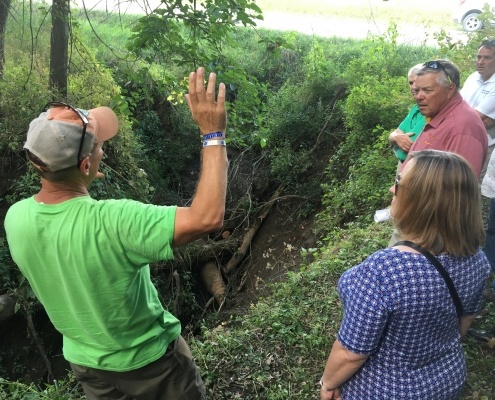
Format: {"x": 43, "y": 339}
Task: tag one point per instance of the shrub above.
{"x": 299, "y": 115}
{"x": 366, "y": 188}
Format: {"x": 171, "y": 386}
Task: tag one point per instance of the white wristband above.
{"x": 214, "y": 143}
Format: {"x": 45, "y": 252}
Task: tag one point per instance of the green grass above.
{"x": 67, "y": 389}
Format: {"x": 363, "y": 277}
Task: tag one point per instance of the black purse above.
{"x": 441, "y": 270}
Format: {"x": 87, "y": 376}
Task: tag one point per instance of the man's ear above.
{"x": 452, "y": 90}
{"x": 85, "y": 165}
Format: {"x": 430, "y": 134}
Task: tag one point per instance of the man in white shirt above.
{"x": 479, "y": 92}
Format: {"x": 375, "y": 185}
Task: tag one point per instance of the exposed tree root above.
{"x": 251, "y": 233}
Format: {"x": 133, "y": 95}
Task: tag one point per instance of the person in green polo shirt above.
{"x": 409, "y": 129}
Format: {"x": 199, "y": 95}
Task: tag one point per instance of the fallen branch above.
{"x": 248, "y": 238}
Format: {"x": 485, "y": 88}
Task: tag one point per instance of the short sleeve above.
{"x": 365, "y": 307}
{"x": 146, "y": 231}
{"x": 470, "y": 281}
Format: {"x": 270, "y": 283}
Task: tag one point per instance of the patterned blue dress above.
{"x": 398, "y": 309}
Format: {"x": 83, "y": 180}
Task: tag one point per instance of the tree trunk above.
{"x": 4, "y": 13}
{"x": 59, "y": 50}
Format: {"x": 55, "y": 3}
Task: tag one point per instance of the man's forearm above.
{"x": 393, "y": 136}
{"x": 208, "y": 205}
{"x": 209, "y": 200}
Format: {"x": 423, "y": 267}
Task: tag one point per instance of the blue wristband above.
{"x": 214, "y": 135}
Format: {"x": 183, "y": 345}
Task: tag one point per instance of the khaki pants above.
{"x": 174, "y": 376}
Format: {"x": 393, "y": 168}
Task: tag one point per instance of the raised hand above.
{"x": 208, "y": 113}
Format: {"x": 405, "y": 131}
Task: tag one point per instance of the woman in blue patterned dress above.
{"x": 400, "y": 337}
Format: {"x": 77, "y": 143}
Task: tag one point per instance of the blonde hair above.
{"x": 438, "y": 204}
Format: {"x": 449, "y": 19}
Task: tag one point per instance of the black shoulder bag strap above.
{"x": 441, "y": 270}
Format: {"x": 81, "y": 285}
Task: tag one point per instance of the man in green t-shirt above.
{"x": 88, "y": 261}
{"x": 409, "y": 129}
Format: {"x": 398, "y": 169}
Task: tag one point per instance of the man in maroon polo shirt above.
{"x": 452, "y": 124}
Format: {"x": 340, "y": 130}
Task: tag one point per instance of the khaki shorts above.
{"x": 174, "y": 376}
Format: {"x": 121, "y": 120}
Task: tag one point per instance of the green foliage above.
{"x": 377, "y": 102}
{"x": 328, "y": 59}
{"x": 113, "y": 31}
{"x": 362, "y": 169}
{"x": 366, "y": 187}
{"x": 302, "y": 117}
{"x": 23, "y": 93}
{"x": 481, "y": 358}
{"x": 382, "y": 57}
{"x": 67, "y": 389}
{"x": 25, "y": 186}
{"x": 246, "y": 107}
{"x": 271, "y": 57}
{"x": 19, "y": 103}
{"x": 183, "y": 32}
{"x": 8, "y": 270}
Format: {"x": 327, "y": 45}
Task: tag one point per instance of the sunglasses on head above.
{"x": 80, "y": 114}
{"x": 437, "y": 65}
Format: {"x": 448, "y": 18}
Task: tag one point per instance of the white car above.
{"x": 467, "y": 12}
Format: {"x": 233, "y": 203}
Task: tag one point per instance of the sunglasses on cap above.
{"x": 80, "y": 114}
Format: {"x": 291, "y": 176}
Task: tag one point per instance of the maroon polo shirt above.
{"x": 456, "y": 128}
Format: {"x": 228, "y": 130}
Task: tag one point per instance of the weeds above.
{"x": 67, "y": 389}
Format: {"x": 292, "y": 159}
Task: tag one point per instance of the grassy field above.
{"x": 437, "y": 13}
{"x": 421, "y": 12}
